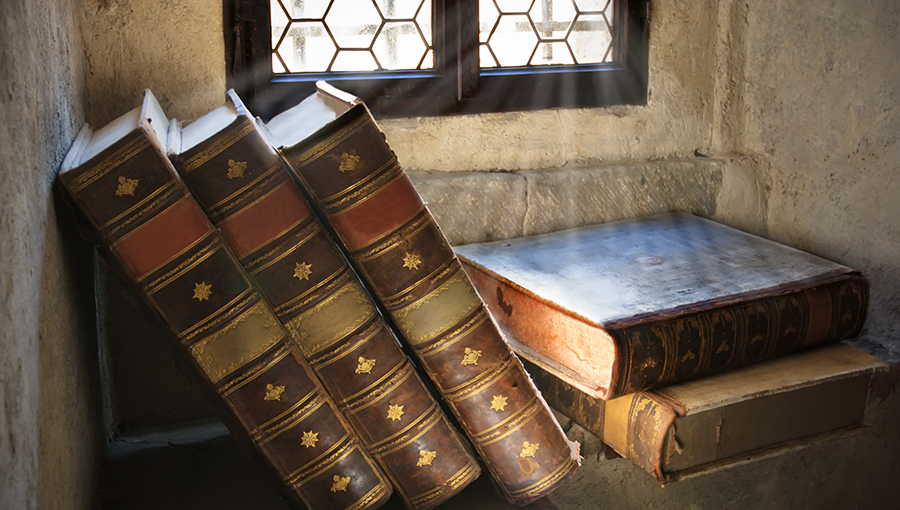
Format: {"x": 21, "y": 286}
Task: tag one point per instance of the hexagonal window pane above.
{"x": 306, "y": 48}
{"x": 303, "y": 9}
{"x": 590, "y": 39}
{"x": 594, "y": 5}
{"x": 513, "y": 6}
{"x": 353, "y": 23}
{"x": 399, "y": 46}
{"x": 486, "y": 59}
{"x": 513, "y": 41}
{"x": 399, "y": 9}
{"x": 354, "y": 60}
{"x": 552, "y": 53}
{"x": 552, "y": 18}
{"x": 277, "y": 66}
{"x": 279, "y": 19}
{"x": 423, "y": 19}
{"x": 428, "y": 61}
{"x": 487, "y": 18}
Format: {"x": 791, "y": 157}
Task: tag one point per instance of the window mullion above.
{"x": 467, "y": 67}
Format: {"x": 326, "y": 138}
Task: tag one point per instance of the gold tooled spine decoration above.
{"x": 340, "y": 483}
{"x": 426, "y": 458}
{"x": 236, "y": 169}
{"x": 126, "y": 186}
{"x": 470, "y": 357}
{"x": 365, "y": 365}
{"x": 202, "y": 291}
{"x": 395, "y": 412}
{"x": 274, "y": 392}
{"x": 302, "y": 271}
{"x": 309, "y": 439}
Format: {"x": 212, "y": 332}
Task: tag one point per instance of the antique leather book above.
{"x": 334, "y": 147}
{"x": 637, "y": 304}
{"x": 680, "y": 431}
{"x": 245, "y": 189}
{"x": 122, "y": 181}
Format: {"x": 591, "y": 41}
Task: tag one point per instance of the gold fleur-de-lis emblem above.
{"x": 274, "y": 392}
{"x": 349, "y": 162}
{"x": 310, "y": 439}
{"x": 425, "y": 458}
{"x": 202, "y": 291}
{"x": 412, "y": 260}
{"x": 471, "y": 356}
{"x": 236, "y": 169}
{"x": 529, "y": 449}
{"x": 340, "y": 483}
{"x": 365, "y": 365}
{"x": 395, "y": 412}
{"x": 126, "y": 186}
{"x": 498, "y": 403}
{"x": 302, "y": 271}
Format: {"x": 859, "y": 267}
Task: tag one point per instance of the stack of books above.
{"x": 685, "y": 345}
{"x": 299, "y": 273}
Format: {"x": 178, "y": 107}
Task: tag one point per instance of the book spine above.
{"x": 638, "y": 426}
{"x": 364, "y": 194}
{"x": 694, "y": 343}
{"x": 249, "y": 195}
{"x": 187, "y": 274}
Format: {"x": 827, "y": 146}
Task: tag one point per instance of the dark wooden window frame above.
{"x": 457, "y": 85}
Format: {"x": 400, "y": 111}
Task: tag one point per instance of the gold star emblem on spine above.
{"x": 395, "y": 412}
{"x": 236, "y": 168}
{"x": 365, "y": 365}
{"x": 425, "y": 458}
{"x": 529, "y": 449}
{"x": 309, "y": 439}
{"x": 126, "y": 186}
{"x": 274, "y": 392}
{"x": 412, "y": 260}
{"x": 471, "y": 356}
{"x": 202, "y": 291}
{"x": 302, "y": 271}
{"x": 340, "y": 483}
{"x": 498, "y": 403}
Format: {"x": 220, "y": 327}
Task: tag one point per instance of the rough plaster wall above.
{"x": 676, "y": 122}
{"x": 822, "y": 106}
{"x": 49, "y": 446}
{"x": 172, "y": 47}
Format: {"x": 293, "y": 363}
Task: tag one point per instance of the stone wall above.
{"x": 50, "y": 440}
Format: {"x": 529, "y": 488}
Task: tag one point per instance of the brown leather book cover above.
{"x": 245, "y": 189}
{"x": 355, "y": 180}
{"x": 638, "y": 304}
{"x": 680, "y": 431}
{"x": 124, "y": 184}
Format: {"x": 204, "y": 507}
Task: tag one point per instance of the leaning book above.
{"x": 334, "y": 147}
{"x": 241, "y": 183}
{"x": 654, "y": 301}
{"x": 266, "y": 393}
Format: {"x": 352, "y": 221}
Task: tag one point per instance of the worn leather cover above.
{"x": 687, "y": 429}
{"x": 355, "y": 179}
{"x": 298, "y": 268}
{"x": 642, "y": 303}
{"x": 268, "y": 394}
